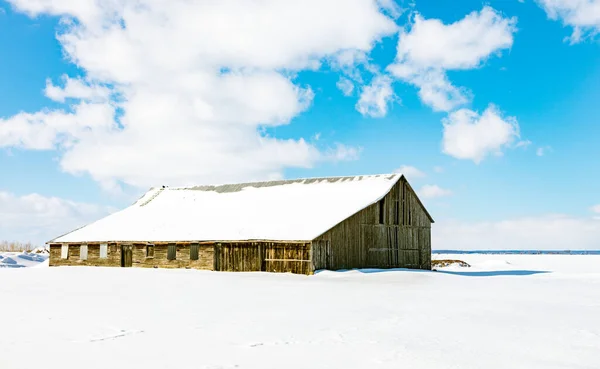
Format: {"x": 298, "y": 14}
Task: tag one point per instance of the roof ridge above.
{"x": 283, "y": 181}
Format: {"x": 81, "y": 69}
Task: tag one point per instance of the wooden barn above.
{"x": 298, "y": 226}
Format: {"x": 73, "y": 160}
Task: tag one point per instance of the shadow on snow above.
{"x": 493, "y": 273}
{"x": 486, "y": 273}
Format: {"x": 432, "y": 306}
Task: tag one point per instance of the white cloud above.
{"x": 433, "y": 191}
{"x": 596, "y": 209}
{"x": 582, "y": 15}
{"x": 346, "y": 86}
{"x": 468, "y": 135}
{"x": 375, "y": 98}
{"x": 460, "y": 45}
{"x": 192, "y": 83}
{"x": 438, "y": 169}
{"x": 429, "y": 48}
{"x": 549, "y": 232}
{"x": 38, "y": 219}
{"x": 410, "y": 172}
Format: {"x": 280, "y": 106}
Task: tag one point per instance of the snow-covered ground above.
{"x": 506, "y": 311}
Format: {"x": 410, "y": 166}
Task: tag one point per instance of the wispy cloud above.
{"x": 541, "y": 151}
{"x": 410, "y": 172}
{"x": 376, "y": 97}
{"x": 433, "y": 191}
{"x": 548, "y": 232}
{"x": 36, "y": 218}
{"x": 582, "y": 15}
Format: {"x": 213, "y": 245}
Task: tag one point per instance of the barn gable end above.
{"x": 394, "y": 232}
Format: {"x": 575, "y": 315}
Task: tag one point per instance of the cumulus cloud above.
{"x": 433, "y": 191}
{"x": 375, "y": 98}
{"x": 473, "y": 136}
{"x": 549, "y": 232}
{"x": 182, "y": 90}
{"x": 596, "y": 209}
{"x": 582, "y": 15}
{"x": 38, "y": 219}
{"x": 410, "y": 172}
{"x": 429, "y": 48}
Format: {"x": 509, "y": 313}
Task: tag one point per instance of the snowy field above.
{"x": 506, "y": 311}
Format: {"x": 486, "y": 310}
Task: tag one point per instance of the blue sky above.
{"x": 272, "y": 108}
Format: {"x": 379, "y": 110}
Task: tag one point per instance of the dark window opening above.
{"x": 150, "y": 251}
{"x": 171, "y": 252}
{"x": 194, "y": 252}
{"x": 396, "y": 212}
{"x": 382, "y": 211}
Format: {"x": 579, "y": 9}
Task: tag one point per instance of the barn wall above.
{"x": 113, "y": 255}
{"x": 403, "y": 239}
{"x": 292, "y": 257}
{"x": 205, "y": 256}
{"x": 182, "y": 259}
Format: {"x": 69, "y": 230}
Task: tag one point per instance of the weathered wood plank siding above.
{"x": 265, "y": 256}
{"x": 93, "y": 259}
{"x": 395, "y": 232}
{"x": 292, "y": 257}
{"x": 158, "y": 260}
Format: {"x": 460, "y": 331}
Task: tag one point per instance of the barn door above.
{"x": 126, "y": 256}
{"x": 376, "y": 241}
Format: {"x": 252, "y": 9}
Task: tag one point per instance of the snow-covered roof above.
{"x": 287, "y": 210}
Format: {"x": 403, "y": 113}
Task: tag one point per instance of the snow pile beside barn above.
{"x": 23, "y": 259}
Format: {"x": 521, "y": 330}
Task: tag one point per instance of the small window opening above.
{"x": 149, "y": 251}
{"x": 83, "y": 252}
{"x": 396, "y": 212}
{"x": 64, "y": 252}
{"x": 172, "y": 252}
{"x": 103, "y": 251}
{"x": 194, "y": 248}
{"x": 382, "y": 211}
